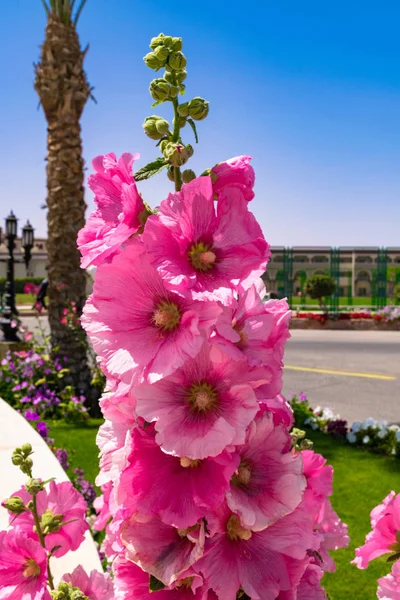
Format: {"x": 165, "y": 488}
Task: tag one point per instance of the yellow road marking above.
{"x": 348, "y": 373}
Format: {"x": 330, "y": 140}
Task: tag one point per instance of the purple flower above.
{"x": 31, "y": 415}
{"x": 302, "y": 397}
{"x": 43, "y": 429}
{"x": 62, "y": 457}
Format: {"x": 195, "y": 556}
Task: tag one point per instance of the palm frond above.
{"x": 78, "y": 12}
{"x": 46, "y": 7}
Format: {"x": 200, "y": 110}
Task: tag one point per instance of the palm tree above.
{"x": 63, "y": 89}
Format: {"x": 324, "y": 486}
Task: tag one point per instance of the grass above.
{"x": 344, "y": 301}
{"x": 361, "y": 481}
{"x": 25, "y": 299}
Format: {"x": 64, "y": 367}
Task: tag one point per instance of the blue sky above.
{"x": 310, "y": 89}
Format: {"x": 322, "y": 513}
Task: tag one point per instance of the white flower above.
{"x": 314, "y": 426}
{"x": 394, "y": 428}
{"x": 328, "y": 414}
{"x": 356, "y": 427}
{"x": 351, "y": 437}
{"x": 366, "y": 439}
{"x": 382, "y": 433}
{"x": 307, "y": 421}
{"x": 370, "y": 422}
{"x": 317, "y": 409}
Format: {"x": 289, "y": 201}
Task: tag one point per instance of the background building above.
{"x": 37, "y": 265}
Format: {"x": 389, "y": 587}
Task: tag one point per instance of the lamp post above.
{"x": 10, "y": 309}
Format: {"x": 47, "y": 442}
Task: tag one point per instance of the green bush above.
{"x": 20, "y": 283}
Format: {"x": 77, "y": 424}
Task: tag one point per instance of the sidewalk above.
{"x": 14, "y": 432}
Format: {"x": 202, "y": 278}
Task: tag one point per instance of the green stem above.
{"x": 175, "y": 138}
{"x": 41, "y": 539}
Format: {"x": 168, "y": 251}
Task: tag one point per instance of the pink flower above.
{"x": 102, "y": 507}
{"x": 132, "y": 583}
{"x": 256, "y": 331}
{"x": 389, "y": 586}
{"x": 269, "y": 483}
{"x": 385, "y": 536}
{"x": 95, "y": 586}
{"x": 119, "y": 207}
{"x": 179, "y": 490}
{"x": 203, "y": 407}
{"x": 334, "y": 535}
{"x": 235, "y": 172}
{"x": 281, "y": 410}
{"x": 319, "y": 477}
{"x": 142, "y": 330}
{"x": 309, "y": 587}
{"x": 65, "y": 503}
{"x": 206, "y": 250}
{"x": 23, "y": 567}
{"x": 160, "y": 549}
{"x": 262, "y": 563}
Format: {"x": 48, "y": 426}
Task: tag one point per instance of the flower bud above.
{"x": 188, "y": 151}
{"x": 188, "y": 175}
{"x": 167, "y": 40}
{"x": 176, "y": 44}
{"x": 33, "y": 486}
{"x": 161, "y": 90}
{"x": 198, "y": 108}
{"x": 183, "y": 110}
{"x": 182, "y": 122}
{"x": 65, "y": 591}
{"x": 15, "y": 505}
{"x": 163, "y": 145}
{"x": 177, "y": 155}
{"x": 152, "y": 61}
{"x": 157, "y": 41}
{"x": 306, "y": 445}
{"x": 26, "y": 449}
{"x": 175, "y": 76}
{"x": 50, "y": 523}
{"x": 177, "y": 61}
{"x": 155, "y": 127}
{"x": 171, "y": 174}
{"x": 17, "y": 459}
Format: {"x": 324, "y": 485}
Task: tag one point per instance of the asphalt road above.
{"x": 366, "y": 365}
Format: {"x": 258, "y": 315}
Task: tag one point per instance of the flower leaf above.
{"x": 155, "y": 585}
{"x": 193, "y": 126}
{"x": 151, "y": 169}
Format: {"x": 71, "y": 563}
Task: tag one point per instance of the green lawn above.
{"x": 361, "y": 481}
{"x": 25, "y": 299}
{"x": 344, "y": 301}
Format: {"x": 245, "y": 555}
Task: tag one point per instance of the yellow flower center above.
{"x": 31, "y": 569}
{"x": 189, "y": 462}
{"x": 236, "y": 531}
{"x": 167, "y": 316}
{"x": 202, "y": 397}
{"x": 184, "y": 532}
{"x": 184, "y": 583}
{"x": 202, "y": 257}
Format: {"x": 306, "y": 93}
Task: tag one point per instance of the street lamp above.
{"x": 9, "y": 309}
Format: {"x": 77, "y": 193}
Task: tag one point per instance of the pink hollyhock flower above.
{"x": 143, "y": 331}
{"x": 203, "y": 407}
{"x": 253, "y": 330}
{"x": 112, "y": 545}
{"x": 319, "y": 478}
{"x": 96, "y": 586}
{"x": 385, "y": 534}
{"x": 180, "y": 490}
{"x": 261, "y": 563}
{"x": 160, "y": 549}
{"x": 206, "y": 250}
{"x": 23, "y": 567}
{"x": 102, "y": 507}
{"x": 132, "y": 583}
{"x": 334, "y": 535}
{"x": 389, "y": 586}
{"x": 235, "y": 172}
{"x": 309, "y": 587}
{"x": 119, "y": 209}
{"x": 269, "y": 482}
{"x": 281, "y": 410}
{"x": 65, "y": 503}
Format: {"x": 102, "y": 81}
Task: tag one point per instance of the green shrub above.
{"x": 20, "y": 283}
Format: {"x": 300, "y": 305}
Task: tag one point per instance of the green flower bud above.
{"x": 152, "y": 61}
{"x": 176, "y": 44}
{"x": 34, "y": 486}
{"x": 17, "y": 459}
{"x": 198, "y": 108}
{"x": 157, "y": 41}
{"x": 65, "y": 591}
{"x": 26, "y": 466}
{"x": 177, "y": 61}
{"x": 26, "y": 449}
{"x": 182, "y": 122}
{"x": 161, "y": 90}
{"x": 174, "y": 154}
{"x": 188, "y": 175}
{"x": 155, "y": 127}
{"x": 306, "y": 445}
{"x": 171, "y": 174}
{"x": 188, "y": 151}
{"x": 15, "y": 505}
{"x": 163, "y": 145}
{"x": 183, "y": 110}
{"x": 162, "y": 54}
{"x": 167, "y": 40}
{"x": 49, "y": 522}
{"x": 178, "y": 76}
